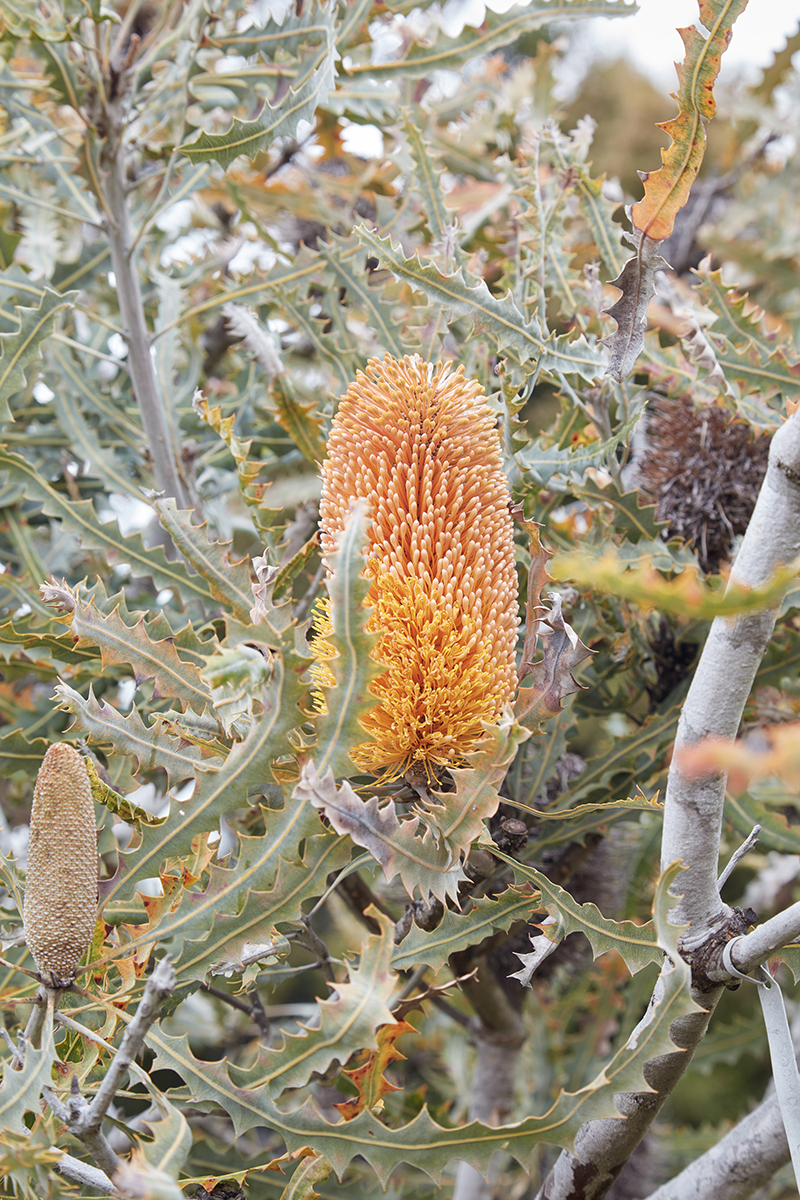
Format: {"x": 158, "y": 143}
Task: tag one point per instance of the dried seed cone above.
{"x": 420, "y": 444}
{"x": 60, "y": 908}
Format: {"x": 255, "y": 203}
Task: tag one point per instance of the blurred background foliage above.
{"x": 267, "y": 282}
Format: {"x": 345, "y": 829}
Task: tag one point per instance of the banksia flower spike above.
{"x": 60, "y": 909}
{"x": 419, "y": 443}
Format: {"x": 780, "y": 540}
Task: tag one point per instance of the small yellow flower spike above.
{"x": 420, "y": 444}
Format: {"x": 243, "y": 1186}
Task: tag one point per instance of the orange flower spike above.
{"x": 420, "y": 444}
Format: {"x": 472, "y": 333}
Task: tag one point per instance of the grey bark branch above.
{"x": 86, "y": 1176}
{"x": 693, "y": 818}
{"x": 152, "y": 405}
{"x": 741, "y": 1162}
{"x": 722, "y": 683}
{"x": 754, "y": 948}
{"x": 84, "y": 1119}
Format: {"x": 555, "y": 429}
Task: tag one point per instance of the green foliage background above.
{"x": 482, "y": 234}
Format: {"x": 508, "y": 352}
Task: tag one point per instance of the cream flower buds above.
{"x": 420, "y": 444}
{"x": 60, "y": 909}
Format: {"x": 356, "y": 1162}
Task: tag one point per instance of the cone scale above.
{"x": 60, "y": 908}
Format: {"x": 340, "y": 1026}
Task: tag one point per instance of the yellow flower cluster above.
{"x": 420, "y": 444}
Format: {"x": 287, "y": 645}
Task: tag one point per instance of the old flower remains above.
{"x": 418, "y": 442}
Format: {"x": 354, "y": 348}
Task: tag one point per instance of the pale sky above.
{"x": 649, "y": 38}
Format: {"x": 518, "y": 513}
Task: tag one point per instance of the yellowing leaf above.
{"x": 369, "y": 1078}
{"x": 685, "y": 594}
{"x": 667, "y": 190}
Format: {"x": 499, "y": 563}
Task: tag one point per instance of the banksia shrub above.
{"x": 704, "y": 470}
{"x": 60, "y": 908}
{"x": 419, "y": 443}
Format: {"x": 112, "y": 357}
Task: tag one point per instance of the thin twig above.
{"x": 415, "y": 978}
{"x": 255, "y": 1010}
{"x": 738, "y": 855}
{"x": 84, "y": 1119}
{"x": 321, "y": 951}
{"x": 88, "y": 1177}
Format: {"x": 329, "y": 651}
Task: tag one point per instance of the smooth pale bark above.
{"x": 722, "y": 684}
{"x": 693, "y": 814}
{"x": 740, "y": 1163}
{"x": 88, "y": 1177}
{"x": 754, "y": 948}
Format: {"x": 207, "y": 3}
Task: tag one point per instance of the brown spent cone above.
{"x": 60, "y": 909}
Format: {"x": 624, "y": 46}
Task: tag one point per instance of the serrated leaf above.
{"x": 114, "y": 802}
{"x": 24, "y": 1158}
{"x": 497, "y": 30}
{"x": 62, "y": 363}
{"x": 552, "y": 678}
{"x": 236, "y": 676}
{"x": 686, "y": 594}
{"x": 369, "y": 1079}
{"x": 637, "y": 282}
{"x": 313, "y": 81}
{"x": 312, "y": 1169}
{"x": 457, "y": 817}
{"x": 247, "y": 766}
{"x": 228, "y": 581}
{"x": 562, "y": 650}
{"x": 79, "y": 517}
{"x": 241, "y": 905}
{"x": 339, "y": 354}
{"x": 537, "y": 763}
{"x": 364, "y": 297}
{"x": 574, "y": 824}
{"x": 352, "y": 666}
{"x": 637, "y": 944}
{"x": 462, "y": 930}
{"x": 151, "y": 747}
{"x": 667, "y": 190}
{"x": 501, "y": 319}
{"x": 301, "y": 421}
{"x": 596, "y": 209}
{"x": 84, "y": 443}
{"x": 747, "y": 353}
{"x": 425, "y": 1144}
{"x": 632, "y": 758}
{"x": 21, "y": 348}
{"x": 539, "y": 465}
{"x": 121, "y": 643}
{"x": 20, "y": 1090}
{"x": 348, "y": 1021}
{"x": 424, "y": 863}
{"x": 172, "y": 1139}
{"x": 427, "y": 176}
